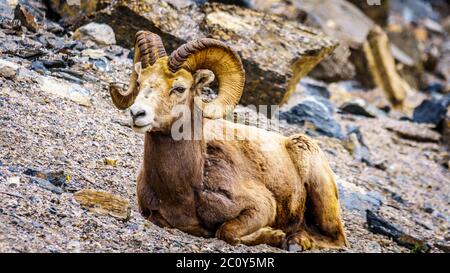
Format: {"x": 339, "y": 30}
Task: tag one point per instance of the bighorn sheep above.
{"x": 232, "y": 189}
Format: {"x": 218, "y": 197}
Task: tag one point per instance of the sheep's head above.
{"x": 158, "y": 82}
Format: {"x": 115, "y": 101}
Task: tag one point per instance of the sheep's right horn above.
{"x": 148, "y": 48}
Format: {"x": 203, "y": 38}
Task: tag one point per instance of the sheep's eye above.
{"x": 178, "y": 89}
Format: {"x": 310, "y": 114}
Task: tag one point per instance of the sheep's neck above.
{"x": 173, "y": 169}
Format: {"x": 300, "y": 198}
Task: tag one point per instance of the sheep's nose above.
{"x": 138, "y": 113}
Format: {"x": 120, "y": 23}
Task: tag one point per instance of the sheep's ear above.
{"x": 202, "y": 78}
{"x": 138, "y": 69}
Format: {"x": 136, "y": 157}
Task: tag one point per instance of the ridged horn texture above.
{"x": 148, "y": 48}
{"x": 224, "y": 62}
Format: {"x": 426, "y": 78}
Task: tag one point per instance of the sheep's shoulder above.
{"x": 300, "y": 143}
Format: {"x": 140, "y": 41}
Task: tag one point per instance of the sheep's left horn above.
{"x": 148, "y": 48}
{"x": 223, "y": 61}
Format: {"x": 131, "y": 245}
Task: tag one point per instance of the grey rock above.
{"x": 413, "y": 10}
{"x": 242, "y": 3}
{"x": 377, "y": 10}
{"x": 101, "y": 64}
{"x": 294, "y": 248}
{"x": 335, "y": 67}
{"x": 22, "y": 46}
{"x": 53, "y": 27}
{"x": 6, "y": 10}
{"x": 355, "y": 198}
{"x": 343, "y": 22}
{"x": 433, "y": 26}
{"x": 398, "y": 198}
{"x": 354, "y": 143}
{"x": 315, "y": 88}
{"x": 415, "y": 132}
{"x": 444, "y": 246}
{"x": 378, "y": 225}
{"x": 39, "y": 67}
{"x": 432, "y": 111}
{"x": 10, "y": 24}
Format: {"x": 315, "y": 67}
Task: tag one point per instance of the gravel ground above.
{"x": 47, "y": 132}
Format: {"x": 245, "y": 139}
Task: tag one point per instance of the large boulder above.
{"x": 275, "y": 52}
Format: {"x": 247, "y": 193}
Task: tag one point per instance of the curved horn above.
{"x": 148, "y": 48}
{"x": 223, "y": 61}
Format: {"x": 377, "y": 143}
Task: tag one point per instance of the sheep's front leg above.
{"x": 256, "y": 215}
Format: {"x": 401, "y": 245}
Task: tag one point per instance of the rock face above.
{"x": 345, "y": 23}
{"x": 316, "y": 114}
{"x": 275, "y": 52}
{"x": 70, "y": 9}
{"x": 8, "y": 69}
{"x": 72, "y": 91}
{"x": 100, "y": 34}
